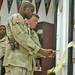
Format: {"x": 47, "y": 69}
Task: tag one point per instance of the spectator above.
{"x": 3, "y": 43}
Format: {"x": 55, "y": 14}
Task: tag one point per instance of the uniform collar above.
{"x": 3, "y": 39}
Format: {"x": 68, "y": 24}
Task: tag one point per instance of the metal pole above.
{"x": 70, "y": 37}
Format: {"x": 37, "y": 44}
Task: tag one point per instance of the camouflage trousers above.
{"x": 11, "y": 70}
{"x": 0, "y": 66}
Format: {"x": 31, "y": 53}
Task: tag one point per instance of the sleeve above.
{"x": 22, "y": 36}
{"x": 8, "y": 30}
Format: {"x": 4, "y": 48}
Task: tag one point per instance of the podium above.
{"x": 45, "y": 32}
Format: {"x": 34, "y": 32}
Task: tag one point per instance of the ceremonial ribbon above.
{"x": 59, "y": 66}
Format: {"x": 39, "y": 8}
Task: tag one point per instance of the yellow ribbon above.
{"x": 58, "y": 67}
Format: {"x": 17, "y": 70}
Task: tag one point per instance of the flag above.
{"x": 1, "y": 1}
{"x": 47, "y": 4}
{"x": 9, "y": 2}
{"x": 19, "y": 2}
{"x": 37, "y": 4}
{"x": 29, "y": 0}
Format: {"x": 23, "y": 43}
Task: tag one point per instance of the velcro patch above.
{"x": 16, "y": 20}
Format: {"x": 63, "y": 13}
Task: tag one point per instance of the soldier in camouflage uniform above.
{"x": 21, "y": 60}
{"x": 3, "y": 43}
{"x": 32, "y": 22}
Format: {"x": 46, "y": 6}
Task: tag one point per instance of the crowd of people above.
{"x": 19, "y": 43}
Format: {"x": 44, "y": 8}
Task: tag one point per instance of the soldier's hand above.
{"x": 52, "y": 53}
{"x": 47, "y": 52}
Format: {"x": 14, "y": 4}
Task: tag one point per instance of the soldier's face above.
{"x": 33, "y": 22}
{"x": 29, "y": 12}
{"x": 2, "y": 30}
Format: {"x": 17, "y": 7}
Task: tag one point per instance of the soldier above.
{"x": 3, "y": 43}
{"x": 32, "y": 22}
{"x": 20, "y": 60}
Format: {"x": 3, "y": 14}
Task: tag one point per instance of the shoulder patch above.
{"x": 16, "y": 20}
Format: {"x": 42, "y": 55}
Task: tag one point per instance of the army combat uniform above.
{"x": 20, "y": 61}
{"x": 3, "y": 44}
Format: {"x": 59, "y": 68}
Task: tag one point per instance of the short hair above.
{"x": 36, "y": 15}
{"x": 26, "y": 3}
{"x": 2, "y": 26}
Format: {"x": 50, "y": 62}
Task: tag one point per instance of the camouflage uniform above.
{"x": 22, "y": 59}
{"x": 3, "y": 44}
